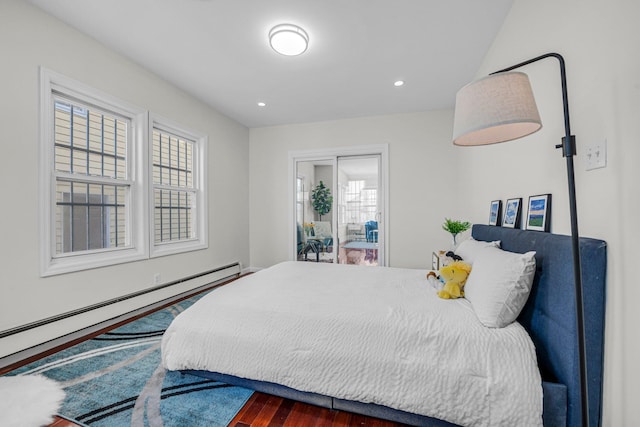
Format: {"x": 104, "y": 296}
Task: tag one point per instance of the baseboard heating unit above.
{"x": 44, "y": 335}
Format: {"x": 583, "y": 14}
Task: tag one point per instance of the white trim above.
{"x": 201, "y": 239}
{"x": 333, "y": 153}
{"x": 50, "y": 264}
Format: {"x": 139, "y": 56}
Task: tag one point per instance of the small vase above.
{"x": 454, "y": 243}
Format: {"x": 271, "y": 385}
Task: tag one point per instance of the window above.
{"x": 178, "y": 200}
{"x": 173, "y": 191}
{"x": 361, "y": 202}
{"x": 90, "y": 169}
{"x": 108, "y": 194}
{"x": 91, "y": 214}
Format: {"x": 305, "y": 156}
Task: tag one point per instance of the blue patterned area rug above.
{"x": 117, "y": 379}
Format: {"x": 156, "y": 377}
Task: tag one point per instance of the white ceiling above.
{"x": 218, "y": 51}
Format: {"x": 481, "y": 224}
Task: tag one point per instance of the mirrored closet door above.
{"x": 338, "y": 206}
{"x": 314, "y": 210}
{"x": 359, "y": 225}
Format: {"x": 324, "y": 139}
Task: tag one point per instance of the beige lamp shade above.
{"x": 496, "y": 108}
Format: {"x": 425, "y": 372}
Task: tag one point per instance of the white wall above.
{"x": 30, "y": 38}
{"x": 422, "y": 169}
{"x": 599, "y": 41}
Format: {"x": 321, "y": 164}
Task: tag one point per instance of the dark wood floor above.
{"x": 264, "y": 410}
{"x": 61, "y": 422}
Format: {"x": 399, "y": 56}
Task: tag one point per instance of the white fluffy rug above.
{"x": 29, "y": 401}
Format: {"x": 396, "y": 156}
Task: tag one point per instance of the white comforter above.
{"x": 373, "y": 335}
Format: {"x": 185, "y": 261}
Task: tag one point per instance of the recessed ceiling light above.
{"x": 288, "y": 39}
{"x": 398, "y": 83}
{"x": 261, "y": 104}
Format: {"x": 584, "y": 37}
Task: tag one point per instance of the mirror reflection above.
{"x": 359, "y": 210}
{"x": 351, "y": 234}
{"x": 314, "y": 211}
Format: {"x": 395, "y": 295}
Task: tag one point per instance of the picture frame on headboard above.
{"x": 539, "y": 213}
{"x": 512, "y": 213}
{"x": 495, "y": 213}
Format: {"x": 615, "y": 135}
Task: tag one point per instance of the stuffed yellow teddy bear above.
{"x": 454, "y": 276}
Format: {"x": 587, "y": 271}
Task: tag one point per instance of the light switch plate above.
{"x": 595, "y": 155}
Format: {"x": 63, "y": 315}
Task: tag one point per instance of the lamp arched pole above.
{"x": 568, "y": 151}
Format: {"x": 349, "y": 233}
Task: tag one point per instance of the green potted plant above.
{"x": 321, "y": 199}
{"x": 455, "y": 227}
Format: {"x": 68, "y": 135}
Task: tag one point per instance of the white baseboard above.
{"x": 45, "y": 338}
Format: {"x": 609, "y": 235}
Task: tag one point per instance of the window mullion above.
{"x": 115, "y": 150}
{"x": 161, "y": 192}
{"x": 87, "y": 220}
{"x": 161, "y": 216}
{"x": 72, "y": 218}
{"x": 103, "y": 218}
{"x": 169, "y": 163}
{"x": 116, "y": 216}
{"x": 174, "y": 188}
{"x": 87, "y": 137}
{"x": 71, "y": 146}
{"x": 178, "y": 161}
{"x": 69, "y": 177}
{"x": 102, "y": 145}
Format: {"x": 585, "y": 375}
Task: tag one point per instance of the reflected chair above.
{"x": 371, "y": 231}
{"x": 305, "y": 246}
{"x": 323, "y": 235}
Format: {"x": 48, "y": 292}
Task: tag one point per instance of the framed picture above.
{"x": 539, "y": 215}
{"x": 495, "y": 213}
{"x": 435, "y": 261}
{"x": 512, "y": 213}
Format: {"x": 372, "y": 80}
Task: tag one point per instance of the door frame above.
{"x": 332, "y": 154}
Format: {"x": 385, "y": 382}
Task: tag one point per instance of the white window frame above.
{"x": 200, "y": 222}
{"x": 50, "y": 263}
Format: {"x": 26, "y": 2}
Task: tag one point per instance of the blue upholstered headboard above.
{"x": 549, "y": 316}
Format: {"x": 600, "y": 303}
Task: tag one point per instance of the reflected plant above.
{"x": 321, "y": 199}
{"x": 308, "y": 228}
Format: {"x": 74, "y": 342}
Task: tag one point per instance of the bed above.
{"x": 232, "y": 335}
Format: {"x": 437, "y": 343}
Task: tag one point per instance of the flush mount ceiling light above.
{"x": 288, "y": 39}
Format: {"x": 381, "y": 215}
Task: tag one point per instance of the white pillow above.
{"x": 470, "y": 248}
{"x": 499, "y": 285}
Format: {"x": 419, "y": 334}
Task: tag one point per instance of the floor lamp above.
{"x": 500, "y": 108}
